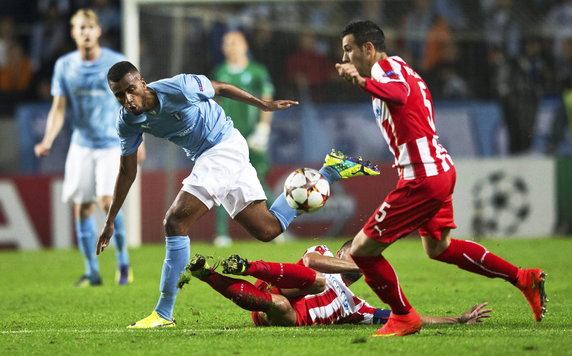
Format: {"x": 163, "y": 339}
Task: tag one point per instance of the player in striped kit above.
{"x": 288, "y": 294}
{"x": 422, "y": 199}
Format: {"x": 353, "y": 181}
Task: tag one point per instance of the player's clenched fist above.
{"x": 349, "y": 72}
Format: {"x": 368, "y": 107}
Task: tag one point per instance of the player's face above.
{"x": 355, "y": 55}
{"x": 234, "y": 45}
{"x": 130, "y": 92}
{"x": 85, "y": 32}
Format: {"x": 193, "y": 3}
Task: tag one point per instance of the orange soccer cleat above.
{"x": 531, "y": 284}
{"x": 401, "y": 325}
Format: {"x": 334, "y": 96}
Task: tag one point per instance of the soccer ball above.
{"x": 306, "y": 190}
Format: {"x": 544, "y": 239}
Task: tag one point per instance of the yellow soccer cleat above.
{"x": 153, "y": 321}
{"x": 348, "y": 167}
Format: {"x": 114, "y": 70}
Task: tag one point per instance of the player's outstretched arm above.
{"x": 328, "y": 264}
{"x": 473, "y": 315}
{"x": 233, "y": 92}
{"x": 126, "y": 176}
{"x": 54, "y": 124}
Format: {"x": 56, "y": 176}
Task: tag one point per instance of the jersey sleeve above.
{"x": 58, "y": 87}
{"x": 129, "y": 137}
{"x": 395, "y": 92}
{"x": 387, "y": 82}
{"x": 197, "y": 87}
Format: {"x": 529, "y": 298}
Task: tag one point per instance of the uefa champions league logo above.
{"x": 501, "y": 204}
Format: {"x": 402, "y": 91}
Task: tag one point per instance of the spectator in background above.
{"x": 502, "y": 28}
{"x": 519, "y": 86}
{"x": 415, "y": 27}
{"x": 6, "y": 37}
{"x": 252, "y": 123}
{"x": 437, "y": 38}
{"x": 445, "y": 79}
{"x": 109, "y": 20}
{"x": 16, "y": 73}
{"x": 15, "y": 77}
{"x": 49, "y": 37}
{"x": 308, "y": 70}
{"x": 562, "y": 123}
{"x": 558, "y": 26}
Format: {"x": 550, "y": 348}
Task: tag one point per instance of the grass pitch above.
{"x": 43, "y": 314}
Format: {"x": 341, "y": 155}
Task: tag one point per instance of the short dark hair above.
{"x": 366, "y": 31}
{"x": 119, "y": 69}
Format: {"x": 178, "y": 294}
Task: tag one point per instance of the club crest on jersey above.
{"x": 177, "y": 115}
{"x": 199, "y": 83}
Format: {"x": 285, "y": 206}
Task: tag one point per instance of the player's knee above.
{"x": 319, "y": 284}
{"x": 265, "y": 232}
{"x": 174, "y": 223}
{"x": 265, "y": 235}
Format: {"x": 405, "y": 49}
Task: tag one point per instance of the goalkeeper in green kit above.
{"x": 252, "y": 123}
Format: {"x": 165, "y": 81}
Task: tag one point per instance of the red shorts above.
{"x": 424, "y": 204}
{"x": 299, "y": 305}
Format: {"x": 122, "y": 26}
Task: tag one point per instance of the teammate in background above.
{"x": 181, "y": 110}
{"x": 422, "y": 199}
{"x": 253, "y": 123}
{"x": 313, "y": 291}
{"x": 79, "y": 84}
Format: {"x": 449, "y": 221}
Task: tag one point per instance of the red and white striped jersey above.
{"x": 337, "y": 304}
{"x": 403, "y": 109}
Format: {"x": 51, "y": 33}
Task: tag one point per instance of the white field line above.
{"x": 112, "y": 331}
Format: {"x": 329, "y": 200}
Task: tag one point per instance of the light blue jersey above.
{"x": 186, "y": 115}
{"x": 91, "y": 105}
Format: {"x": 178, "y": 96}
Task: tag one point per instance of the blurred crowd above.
{"x": 513, "y": 51}
{"x": 33, "y": 34}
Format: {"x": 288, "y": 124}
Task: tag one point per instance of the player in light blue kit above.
{"x": 181, "y": 109}
{"x": 79, "y": 84}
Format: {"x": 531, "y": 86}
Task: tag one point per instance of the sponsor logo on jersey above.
{"x": 177, "y": 115}
{"x": 186, "y": 131}
{"x": 391, "y": 74}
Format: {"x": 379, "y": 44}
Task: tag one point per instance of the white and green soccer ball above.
{"x": 306, "y": 190}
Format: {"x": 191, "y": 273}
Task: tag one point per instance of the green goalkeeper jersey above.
{"x": 255, "y": 80}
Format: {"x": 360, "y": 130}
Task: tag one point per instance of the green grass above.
{"x": 42, "y": 314}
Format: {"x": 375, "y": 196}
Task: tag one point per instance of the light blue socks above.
{"x": 121, "y": 252}
{"x": 86, "y": 241}
{"x": 176, "y": 258}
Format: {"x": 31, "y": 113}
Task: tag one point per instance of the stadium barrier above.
{"x": 493, "y": 198}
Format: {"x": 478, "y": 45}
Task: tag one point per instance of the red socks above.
{"x": 381, "y": 277}
{"x": 283, "y": 275}
{"x": 473, "y": 257}
{"x": 241, "y": 292}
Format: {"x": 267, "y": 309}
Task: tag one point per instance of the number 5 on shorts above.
{"x": 380, "y": 216}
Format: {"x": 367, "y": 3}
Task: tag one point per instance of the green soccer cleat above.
{"x": 235, "y": 265}
{"x": 197, "y": 267}
{"x": 153, "y": 321}
{"x": 348, "y": 167}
